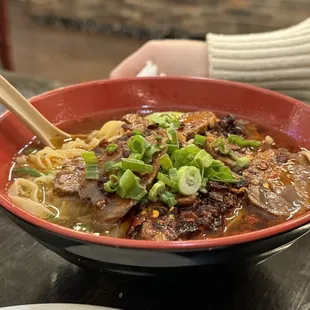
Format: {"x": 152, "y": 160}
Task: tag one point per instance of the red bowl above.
{"x": 150, "y": 94}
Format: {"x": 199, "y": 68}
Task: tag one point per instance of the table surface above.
{"x": 30, "y": 273}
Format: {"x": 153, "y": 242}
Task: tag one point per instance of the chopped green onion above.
{"x": 137, "y": 144}
{"x": 136, "y": 165}
{"x": 135, "y": 156}
{"x": 189, "y": 180}
{"x": 157, "y": 189}
{"x": 200, "y": 140}
{"x": 242, "y": 162}
{"x": 240, "y": 141}
{"x": 202, "y": 160}
{"x": 108, "y": 167}
{"x": 203, "y": 185}
{"x": 149, "y": 153}
{"x": 137, "y": 133}
{"x": 220, "y": 173}
{"x": 171, "y": 148}
{"x": 165, "y": 179}
{"x": 111, "y": 185}
{"x": 173, "y": 175}
{"x": 159, "y": 138}
{"x": 165, "y": 162}
{"x": 168, "y": 198}
{"x": 129, "y": 186}
{"x": 29, "y": 171}
{"x": 117, "y": 166}
{"x": 173, "y": 136}
{"x": 221, "y": 146}
{"x": 144, "y": 200}
{"x": 184, "y": 156}
{"x": 112, "y": 147}
{"x": 91, "y": 165}
{"x": 165, "y": 119}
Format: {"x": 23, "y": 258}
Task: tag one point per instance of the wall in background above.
{"x": 170, "y": 18}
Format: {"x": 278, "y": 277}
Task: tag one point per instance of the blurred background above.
{"x": 69, "y": 41}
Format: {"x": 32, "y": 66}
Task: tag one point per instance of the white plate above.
{"x": 57, "y": 307}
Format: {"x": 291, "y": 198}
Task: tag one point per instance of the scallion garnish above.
{"x": 117, "y": 166}
{"x": 136, "y": 165}
{"x": 138, "y": 145}
{"x": 220, "y": 145}
{"x": 168, "y": 198}
{"x": 184, "y": 156}
{"x": 165, "y": 119}
{"x": 220, "y": 173}
{"x": 149, "y": 153}
{"x": 202, "y": 160}
{"x": 173, "y": 136}
{"x": 157, "y": 189}
{"x": 173, "y": 175}
{"x": 135, "y": 156}
{"x": 200, "y": 140}
{"x": 129, "y": 186}
{"x": 240, "y": 141}
{"x": 91, "y": 165}
{"x": 166, "y": 180}
{"x": 165, "y": 162}
{"x": 111, "y": 185}
{"x": 29, "y": 171}
{"x": 242, "y": 162}
{"x": 171, "y": 148}
{"x": 112, "y": 147}
{"x": 108, "y": 167}
{"x": 189, "y": 180}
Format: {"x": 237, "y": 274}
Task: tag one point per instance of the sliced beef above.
{"x": 196, "y": 123}
{"x": 68, "y": 180}
{"x": 148, "y": 179}
{"x": 90, "y": 190}
{"x": 278, "y": 182}
{"x": 112, "y": 209}
{"x": 135, "y": 122}
{"x": 122, "y": 151}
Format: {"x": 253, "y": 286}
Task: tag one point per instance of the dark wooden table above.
{"x": 29, "y": 273}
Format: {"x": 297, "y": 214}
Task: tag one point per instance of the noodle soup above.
{"x": 165, "y": 176}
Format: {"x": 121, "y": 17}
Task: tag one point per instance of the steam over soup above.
{"x": 165, "y": 176}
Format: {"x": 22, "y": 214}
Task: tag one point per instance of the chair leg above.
{"x": 5, "y": 51}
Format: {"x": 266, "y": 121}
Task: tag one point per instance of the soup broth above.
{"x": 164, "y": 176}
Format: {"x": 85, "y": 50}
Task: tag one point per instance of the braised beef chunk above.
{"x": 196, "y": 123}
{"x": 68, "y": 180}
{"x": 135, "y": 122}
{"x": 277, "y": 182}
